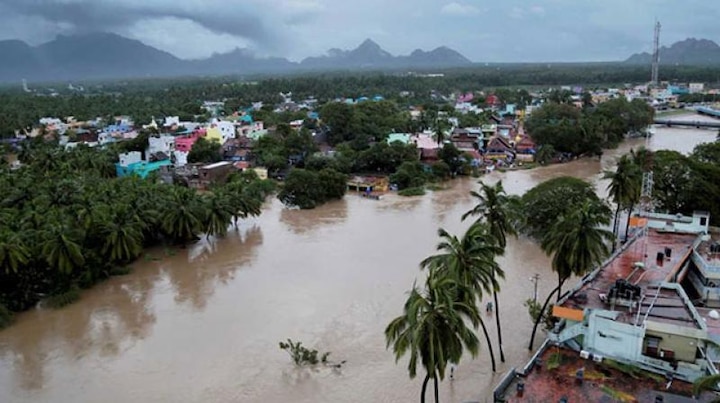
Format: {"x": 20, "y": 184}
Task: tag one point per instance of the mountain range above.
{"x": 691, "y": 51}
{"x": 106, "y": 55}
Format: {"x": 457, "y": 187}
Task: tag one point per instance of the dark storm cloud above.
{"x": 103, "y": 15}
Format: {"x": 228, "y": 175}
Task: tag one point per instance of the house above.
{"x": 184, "y": 143}
{"x": 163, "y": 143}
{"x": 403, "y": 138}
{"x": 214, "y": 173}
{"x": 131, "y": 164}
{"x": 498, "y": 148}
{"x": 465, "y": 140}
{"x": 221, "y": 131}
{"x": 650, "y": 305}
{"x": 429, "y": 155}
{"x": 525, "y": 149}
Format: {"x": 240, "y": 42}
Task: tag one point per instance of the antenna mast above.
{"x": 656, "y": 55}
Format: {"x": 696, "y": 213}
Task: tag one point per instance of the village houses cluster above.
{"x": 501, "y": 141}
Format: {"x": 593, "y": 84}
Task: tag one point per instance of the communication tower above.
{"x": 646, "y": 198}
{"x": 656, "y": 55}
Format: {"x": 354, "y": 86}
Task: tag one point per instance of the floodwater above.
{"x": 203, "y": 324}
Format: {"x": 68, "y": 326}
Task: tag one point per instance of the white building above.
{"x": 129, "y": 158}
{"x": 180, "y": 158}
{"x": 696, "y": 88}
{"x": 164, "y": 144}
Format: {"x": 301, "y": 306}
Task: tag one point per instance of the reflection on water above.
{"x": 300, "y": 222}
{"x": 196, "y": 281}
{"x": 203, "y": 324}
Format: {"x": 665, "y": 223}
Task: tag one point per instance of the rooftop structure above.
{"x": 558, "y": 373}
{"x": 642, "y": 310}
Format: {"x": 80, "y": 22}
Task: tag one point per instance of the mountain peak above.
{"x": 690, "y": 51}
{"x": 369, "y": 44}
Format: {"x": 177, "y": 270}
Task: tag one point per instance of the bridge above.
{"x": 687, "y": 123}
{"x": 701, "y": 110}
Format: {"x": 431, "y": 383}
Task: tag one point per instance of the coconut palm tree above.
{"x": 471, "y": 261}
{"x": 433, "y": 328}
{"x": 494, "y": 208}
{"x": 122, "y": 234}
{"x": 440, "y": 126}
{"x": 624, "y": 187}
{"x": 219, "y": 213}
{"x": 706, "y": 383}
{"x": 577, "y": 244}
{"x": 13, "y": 252}
{"x": 182, "y": 217}
{"x": 61, "y": 248}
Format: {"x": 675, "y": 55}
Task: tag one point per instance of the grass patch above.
{"x": 554, "y": 361}
{"x": 416, "y": 191}
{"x": 63, "y": 299}
{"x": 6, "y": 317}
{"x": 632, "y": 371}
{"x": 617, "y": 395}
{"x": 120, "y": 271}
{"x": 435, "y": 187}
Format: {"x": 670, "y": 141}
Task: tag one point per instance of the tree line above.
{"x": 562, "y": 127}
{"x": 68, "y": 223}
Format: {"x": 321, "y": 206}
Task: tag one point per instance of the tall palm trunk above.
{"x": 437, "y": 390}
{"x": 540, "y": 315}
{"x": 627, "y": 224}
{"x": 487, "y": 338}
{"x": 497, "y": 321}
{"x": 616, "y": 230}
{"x": 424, "y": 388}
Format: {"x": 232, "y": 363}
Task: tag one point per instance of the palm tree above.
{"x": 440, "y": 126}
{"x": 433, "y": 329}
{"x": 494, "y": 208}
{"x": 706, "y": 383}
{"x": 13, "y": 252}
{"x": 122, "y": 234}
{"x": 577, "y": 244}
{"x": 61, "y": 248}
{"x": 181, "y": 219}
{"x": 219, "y": 210}
{"x": 471, "y": 262}
{"x": 624, "y": 187}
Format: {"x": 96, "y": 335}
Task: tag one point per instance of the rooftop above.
{"x": 660, "y": 304}
{"x": 606, "y": 381}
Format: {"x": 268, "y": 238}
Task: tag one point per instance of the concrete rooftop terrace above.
{"x": 665, "y": 305}
{"x": 602, "y": 382}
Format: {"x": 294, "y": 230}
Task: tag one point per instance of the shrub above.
{"x": 414, "y": 191}
{"x": 63, "y": 299}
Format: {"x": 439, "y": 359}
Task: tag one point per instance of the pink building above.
{"x": 185, "y": 143}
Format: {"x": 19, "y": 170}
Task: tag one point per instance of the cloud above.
{"x": 457, "y": 9}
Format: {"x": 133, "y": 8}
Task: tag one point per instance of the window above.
{"x": 703, "y": 221}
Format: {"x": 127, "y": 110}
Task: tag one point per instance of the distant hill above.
{"x": 691, "y": 51}
{"x": 369, "y": 55}
{"x": 105, "y": 55}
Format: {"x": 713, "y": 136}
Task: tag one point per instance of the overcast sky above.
{"x": 484, "y": 31}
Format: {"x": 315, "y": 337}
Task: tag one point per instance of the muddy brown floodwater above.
{"x": 203, "y": 324}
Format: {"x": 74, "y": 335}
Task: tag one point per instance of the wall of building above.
{"x": 129, "y": 158}
{"x": 683, "y": 348}
{"x": 611, "y": 338}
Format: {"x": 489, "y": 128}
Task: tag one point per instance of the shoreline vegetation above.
{"x": 69, "y": 223}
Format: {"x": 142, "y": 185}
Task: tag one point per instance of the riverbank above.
{"x": 203, "y": 324}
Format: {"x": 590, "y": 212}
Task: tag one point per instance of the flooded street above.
{"x": 203, "y": 324}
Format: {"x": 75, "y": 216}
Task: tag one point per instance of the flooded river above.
{"x": 203, "y": 324}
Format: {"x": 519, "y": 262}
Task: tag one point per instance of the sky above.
{"x": 483, "y": 31}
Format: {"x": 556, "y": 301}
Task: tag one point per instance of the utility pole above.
{"x": 655, "y": 55}
{"x": 535, "y": 279}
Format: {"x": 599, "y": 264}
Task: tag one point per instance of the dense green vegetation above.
{"x": 142, "y": 99}
{"x": 67, "y": 222}
{"x": 308, "y": 189}
{"x": 568, "y": 129}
